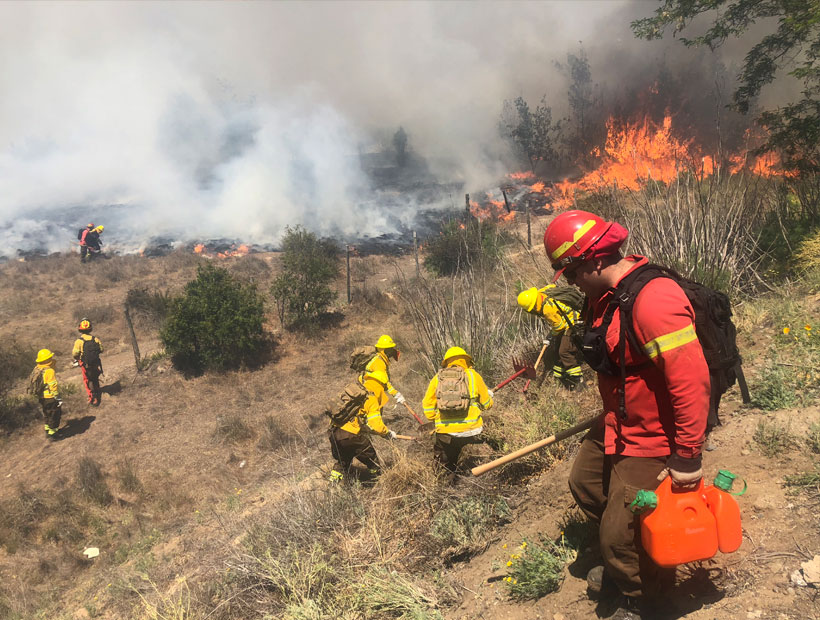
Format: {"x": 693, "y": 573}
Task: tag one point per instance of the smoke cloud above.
{"x": 196, "y": 121}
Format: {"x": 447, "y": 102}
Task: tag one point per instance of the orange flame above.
{"x": 242, "y": 250}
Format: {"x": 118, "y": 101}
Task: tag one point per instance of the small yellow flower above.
{"x": 786, "y": 331}
{"x": 504, "y": 546}
{"x": 509, "y": 563}
{"x": 524, "y": 545}
{"x": 807, "y": 328}
{"x": 515, "y": 556}
{"x": 515, "y": 581}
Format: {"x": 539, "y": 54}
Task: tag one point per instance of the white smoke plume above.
{"x": 194, "y": 121}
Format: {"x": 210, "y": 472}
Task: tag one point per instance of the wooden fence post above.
{"x": 134, "y": 344}
{"x": 348, "y": 274}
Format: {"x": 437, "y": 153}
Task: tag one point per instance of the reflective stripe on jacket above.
{"x": 466, "y": 423}
{"x": 77, "y": 351}
{"x": 371, "y": 412}
{"x": 554, "y": 311}
{"x": 667, "y": 400}
{"x": 381, "y": 362}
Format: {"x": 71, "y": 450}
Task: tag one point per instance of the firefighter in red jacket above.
{"x": 658, "y": 429}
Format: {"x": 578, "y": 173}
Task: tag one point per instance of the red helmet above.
{"x": 84, "y": 326}
{"x": 570, "y": 237}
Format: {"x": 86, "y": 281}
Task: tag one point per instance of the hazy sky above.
{"x": 234, "y": 119}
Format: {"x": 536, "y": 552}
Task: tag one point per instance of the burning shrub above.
{"x": 216, "y": 324}
{"x": 302, "y": 292}
{"x": 460, "y": 247}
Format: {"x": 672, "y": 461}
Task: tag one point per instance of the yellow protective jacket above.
{"x": 554, "y": 311}
{"x": 466, "y": 424}
{"x": 77, "y": 351}
{"x": 51, "y": 390}
{"x": 380, "y": 362}
{"x": 370, "y": 415}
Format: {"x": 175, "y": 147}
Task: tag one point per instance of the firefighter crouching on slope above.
{"x": 91, "y": 244}
{"x": 44, "y": 386}
{"x": 660, "y": 430}
{"x": 386, "y": 351}
{"x": 351, "y": 440}
{"x": 456, "y": 425}
{"x": 562, "y": 317}
{"x": 86, "y": 353}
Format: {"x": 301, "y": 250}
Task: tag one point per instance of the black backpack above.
{"x": 80, "y": 234}
{"x": 713, "y": 325}
{"x": 91, "y": 353}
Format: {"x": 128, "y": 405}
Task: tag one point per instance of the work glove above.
{"x": 75, "y": 363}
{"x": 59, "y": 402}
{"x": 391, "y": 434}
{"x": 685, "y": 473}
{"x": 400, "y": 399}
{"x": 490, "y": 392}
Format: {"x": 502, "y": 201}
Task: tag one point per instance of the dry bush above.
{"x": 807, "y": 256}
{"x": 91, "y": 482}
{"x": 273, "y": 435}
{"x": 127, "y": 476}
{"x": 16, "y": 362}
{"x": 232, "y": 429}
{"x": 460, "y": 311}
{"x": 705, "y": 227}
{"x": 97, "y": 313}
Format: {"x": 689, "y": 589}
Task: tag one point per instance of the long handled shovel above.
{"x": 483, "y": 469}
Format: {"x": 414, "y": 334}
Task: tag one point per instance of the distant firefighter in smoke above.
{"x": 90, "y": 242}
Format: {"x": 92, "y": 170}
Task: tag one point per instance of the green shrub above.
{"x": 804, "y": 482}
{"x": 459, "y": 247}
{"x": 302, "y": 291}
{"x": 216, "y": 324}
{"x": 537, "y": 569}
{"x": 774, "y": 389}
{"x": 468, "y": 522}
{"x": 772, "y": 438}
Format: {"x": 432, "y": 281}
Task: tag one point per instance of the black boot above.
{"x": 629, "y": 608}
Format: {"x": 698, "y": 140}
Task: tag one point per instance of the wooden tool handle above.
{"x": 483, "y": 469}
{"x": 405, "y": 437}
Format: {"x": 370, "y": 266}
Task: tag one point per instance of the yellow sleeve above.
{"x": 378, "y": 363}
{"x": 77, "y": 351}
{"x": 372, "y": 408}
{"x": 50, "y": 379}
{"x": 485, "y": 401}
{"x": 429, "y": 403}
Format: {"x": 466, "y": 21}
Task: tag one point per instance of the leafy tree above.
{"x": 794, "y": 129}
{"x": 532, "y": 132}
{"x": 216, "y": 324}
{"x": 400, "y": 144}
{"x": 302, "y": 290}
{"x": 587, "y": 127}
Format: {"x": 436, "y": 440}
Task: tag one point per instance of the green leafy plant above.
{"x": 302, "y": 291}
{"x": 537, "y": 569}
{"x": 468, "y": 521}
{"x": 774, "y": 390}
{"x": 216, "y": 324}
{"x": 813, "y": 438}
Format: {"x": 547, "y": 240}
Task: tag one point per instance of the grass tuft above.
{"x": 773, "y": 439}
{"x": 232, "y": 429}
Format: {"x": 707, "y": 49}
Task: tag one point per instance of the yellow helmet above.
{"x": 99, "y": 228}
{"x": 454, "y": 352}
{"x": 378, "y": 375}
{"x": 527, "y": 299}
{"x": 385, "y": 342}
{"x": 84, "y": 326}
{"x": 43, "y": 355}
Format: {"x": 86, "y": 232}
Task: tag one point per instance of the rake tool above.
{"x": 535, "y": 368}
{"x": 521, "y": 368}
